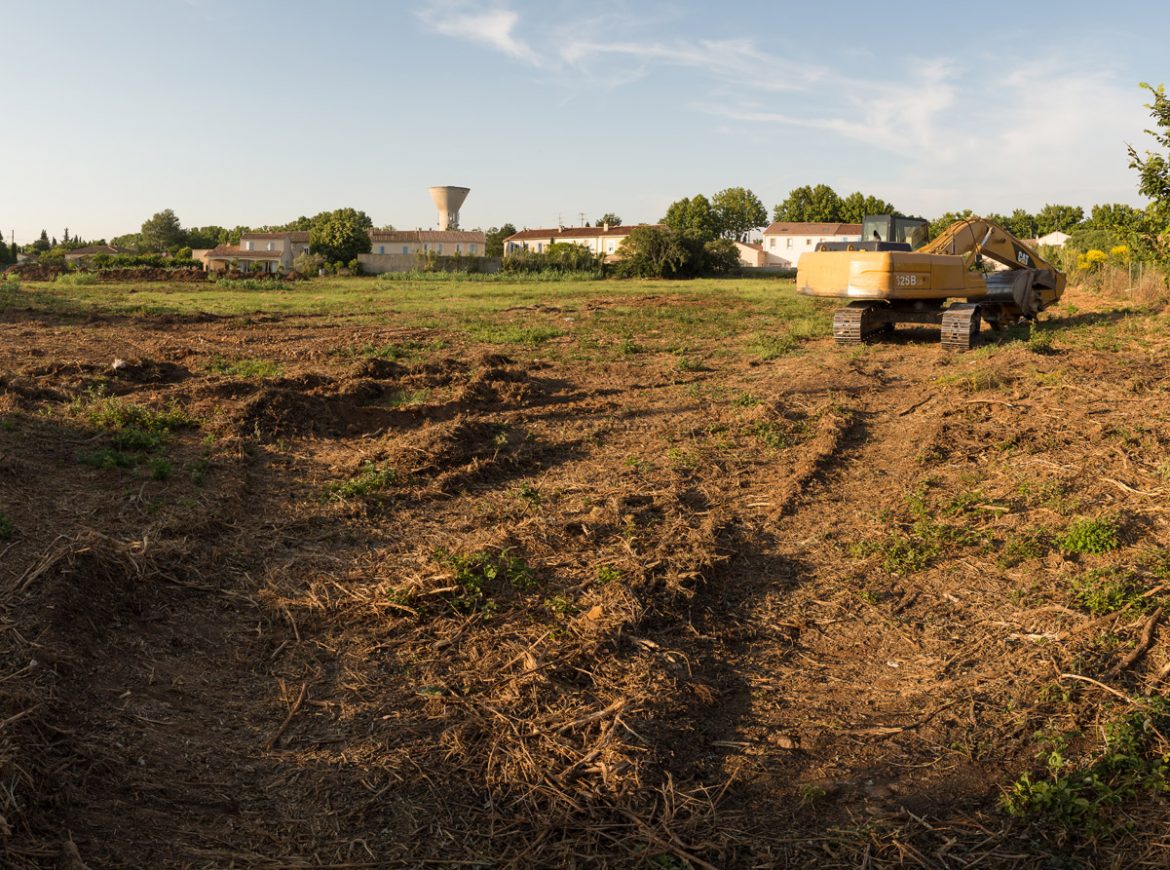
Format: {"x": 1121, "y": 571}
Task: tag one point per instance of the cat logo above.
{"x": 1023, "y": 259}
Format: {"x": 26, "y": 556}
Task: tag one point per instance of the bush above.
{"x": 558, "y": 259}
{"x": 1091, "y": 536}
{"x": 354, "y": 266}
{"x": 308, "y": 264}
{"x": 662, "y": 252}
{"x": 143, "y": 261}
{"x": 76, "y": 279}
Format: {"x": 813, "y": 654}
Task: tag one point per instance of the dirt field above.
{"x": 601, "y": 575}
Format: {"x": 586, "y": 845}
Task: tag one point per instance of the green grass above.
{"x": 246, "y": 368}
{"x": 110, "y": 412}
{"x": 1106, "y": 591}
{"x": 371, "y": 481}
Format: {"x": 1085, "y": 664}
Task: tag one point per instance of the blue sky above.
{"x": 257, "y": 112}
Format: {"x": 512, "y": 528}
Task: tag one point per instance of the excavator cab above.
{"x": 911, "y": 232}
{"x": 885, "y": 232}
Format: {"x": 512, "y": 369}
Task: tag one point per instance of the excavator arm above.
{"x": 1030, "y": 283}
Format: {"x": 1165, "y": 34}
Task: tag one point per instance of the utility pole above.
{"x": 581, "y": 215}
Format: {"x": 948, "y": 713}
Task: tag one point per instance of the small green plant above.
{"x": 7, "y": 530}
{"x": 1106, "y": 591}
{"x": 160, "y": 467}
{"x": 133, "y": 438}
{"x": 370, "y": 481}
{"x": 559, "y": 605}
{"x": 1021, "y": 547}
{"x": 477, "y": 573}
{"x": 113, "y": 413}
{"x": 686, "y": 364}
{"x": 746, "y": 400}
{"x": 1086, "y": 798}
{"x": 627, "y": 347}
{"x": 8, "y": 424}
{"x": 528, "y": 493}
{"x": 608, "y": 574}
{"x": 107, "y": 458}
{"x": 770, "y": 347}
{"x": 1093, "y": 536}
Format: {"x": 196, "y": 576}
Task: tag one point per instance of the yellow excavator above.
{"x": 892, "y": 279}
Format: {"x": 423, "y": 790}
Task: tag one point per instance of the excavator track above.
{"x": 960, "y": 326}
{"x": 858, "y": 320}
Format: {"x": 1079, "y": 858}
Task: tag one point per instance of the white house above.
{"x": 258, "y": 252}
{"x": 441, "y": 243}
{"x": 604, "y": 240}
{"x": 1055, "y": 239}
{"x": 785, "y": 241}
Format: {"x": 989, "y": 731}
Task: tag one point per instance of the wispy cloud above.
{"x": 494, "y": 28}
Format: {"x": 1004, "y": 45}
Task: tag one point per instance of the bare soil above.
{"x": 493, "y": 605}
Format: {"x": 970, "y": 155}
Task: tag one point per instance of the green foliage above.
{"x": 695, "y": 215}
{"x": 161, "y": 232}
{"x": 608, "y": 219}
{"x": 1088, "y": 797}
{"x": 1023, "y": 546}
{"x": 1062, "y": 218}
{"x": 107, "y": 458}
{"x": 943, "y": 221}
{"x": 246, "y": 368}
{"x": 738, "y": 211}
{"x": 494, "y": 243}
{"x": 856, "y": 206}
{"x": 76, "y": 279}
{"x": 339, "y": 236}
{"x": 558, "y": 259}
{"x": 372, "y": 480}
{"x": 7, "y": 529}
{"x": 160, "y": 467}
{"x": 817, "y": 204}
{"x": 1094, "y": 536}
{"x": 482, "y": 575}
{"x": 307, "y": 263}
{"x": 607, "y": 574}
{"x": 664, "y": 252}
{"x": 142, "y": 261}
{"x": 1106, "y": 591}
{"x": 114, "y": 413}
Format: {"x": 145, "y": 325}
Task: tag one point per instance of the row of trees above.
{"x": 731, "y": 213}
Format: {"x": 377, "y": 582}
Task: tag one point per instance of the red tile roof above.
{"x": 794, "y": 228}
{"x": 298, "y": 236}
{"x": 428, "y": 236}
{"x": 560, "y": 233}
{"x": 228, "y": 252}
{"x": 94, "y": 249}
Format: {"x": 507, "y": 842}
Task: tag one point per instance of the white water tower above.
{"x": 447, "y": 201}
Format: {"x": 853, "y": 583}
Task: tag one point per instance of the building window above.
{"x": 272, "y": 246}
{"x": 439, "y": 248}
{"x": 771, "y": 243}
{"x": 808, "y": 242}
{"x": 540, "y": 247}
{"x": 609, "y": 247}
{"x": 381, "y": 249}
{"x": 406, "y": 249}
{"x": 248, "y": 247}
{"x": 457, "y": 249}
{"x": 789, "y": 245}
{"x": 471, "y": 248}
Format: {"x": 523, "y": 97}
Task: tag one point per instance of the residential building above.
{"x": 1055, "y": 239}
{"x": 258, "y": 252}
{"x": 84, "y": 256}
{"x": 785, "y": 241}
{"x": 751, "y": 254}
{"x": 441, "y": 243}
{"x": 604, "y": 240}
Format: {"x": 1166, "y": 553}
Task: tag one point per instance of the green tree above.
{"x": 494, "y": 245}
{"x": 942, "y": 222}
{"x": 1154, "y": 168}
{"x": 1062, "y": 218}
{"x": 7, "y": 255}
{"x": 608, "y": 218}
{"x": 42, "y": 244}
{"x": 857, "y": 205}
{"x": 206, "y": 237}
{"x": 340, "y": 235}
{"x": 739, "y": 211}
{"x": 1115, "y": 215}
{"x": 161, "y": 232}
{"x": 696, "y": 215}
{"x": 819, "y": 204}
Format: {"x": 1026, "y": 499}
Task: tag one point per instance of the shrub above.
{"x": 558, "y": 259}
{"x": 1093, "y": 536}
{"x": 307, "y": 264}
{"x": 76, "y": 279}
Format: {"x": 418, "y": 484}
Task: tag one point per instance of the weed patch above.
{"x": 1086, "y": 797}
{"x": 247, "y": 368}
{"x": 371, "y": 481}
{"x": 481, "y": 577}
{"x": 1093, "y": 536}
